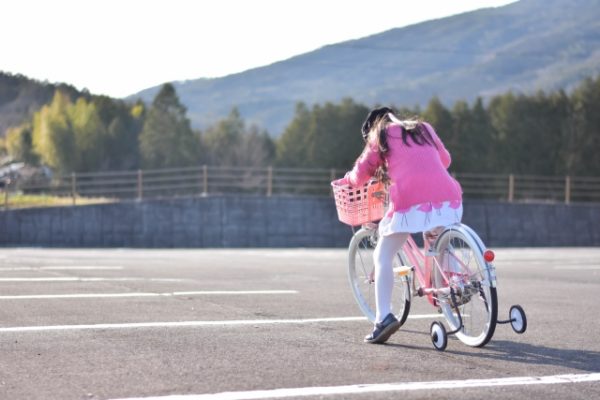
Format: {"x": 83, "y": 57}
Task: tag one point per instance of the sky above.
{"x": 120, "y": 47}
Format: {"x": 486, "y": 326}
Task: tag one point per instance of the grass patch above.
{"x": 42, "y": 200}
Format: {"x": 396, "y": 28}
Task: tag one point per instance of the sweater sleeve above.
{"x": 442, "y": 151}
{"x": 365, "y": 166}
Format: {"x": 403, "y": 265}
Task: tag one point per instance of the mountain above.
{"x": 524, "y": 46}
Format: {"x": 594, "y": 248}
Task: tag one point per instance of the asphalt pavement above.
{"x": 277, "y": 323}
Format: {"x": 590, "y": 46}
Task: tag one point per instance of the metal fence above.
{"x": 81, "y": 188}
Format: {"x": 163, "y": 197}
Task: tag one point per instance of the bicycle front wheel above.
{"x": 361, "y": 275}
{"x": 469, "y": 302}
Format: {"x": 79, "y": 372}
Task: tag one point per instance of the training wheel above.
{"x": 439, "y": 337}
{"x": 518, "y": 320}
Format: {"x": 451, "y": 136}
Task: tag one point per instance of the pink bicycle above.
{"x": 454, "y": 271}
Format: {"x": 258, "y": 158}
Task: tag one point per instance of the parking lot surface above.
{"x": 266, "y": 323}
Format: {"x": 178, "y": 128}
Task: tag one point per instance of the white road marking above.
{"x": 62, "y": 268}
{"x": 190, "y": 324}
{"x": 82, "y": 267}
{"x": 145, "y": 294}
{"x": 384, "y": 387}
{"x": 93, "y": 279}
{"x": 577, "y": 267}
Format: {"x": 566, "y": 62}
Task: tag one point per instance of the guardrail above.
{"x": 81, "y": 188}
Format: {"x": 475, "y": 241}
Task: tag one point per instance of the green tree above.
{"x": 528, "y": 132}
{"x": 123, "y": 123}
{"x": 167, "y": 139}
{"x": 222, "y": 139}
{"x": 479, "y": 155}
{"x": 582, "y": 131}
{"x": 231, "y": 143}
{"x": 256, "y": 149}
{"x": 501, "y": 111}
{"x": 335, "y": 137}
{"x": 470, "y": 141}
{"x": 19, "y": 144}
{"x": 90, "y": 136}
{"x": 441, "y": 119}
{"x": 292, "y": 145}
{"x": 326, "y": 136}
{"x": 53, "y": 137}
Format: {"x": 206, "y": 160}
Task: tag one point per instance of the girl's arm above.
{"x": 365, "y": 166}
{"x": 444, "y": 154}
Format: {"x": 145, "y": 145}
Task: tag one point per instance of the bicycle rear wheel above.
{"x": 361, "y": 275}
{"x": 471, "y": 306}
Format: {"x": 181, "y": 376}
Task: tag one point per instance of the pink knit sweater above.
{"x": 418, "y": 174}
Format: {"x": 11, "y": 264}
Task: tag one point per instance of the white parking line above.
{"x": 82, "y": 267}
{"x": 191, "y": 324}
{"x": 92, "y": 279}
{"x": 62, "y": 268}
{"x": 384, "y": 387}
{"x": 145, "y": 294}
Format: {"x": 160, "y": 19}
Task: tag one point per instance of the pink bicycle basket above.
{"x": 356, "y": 206}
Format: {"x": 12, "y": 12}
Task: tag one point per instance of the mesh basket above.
{"x": 356, "y": 206}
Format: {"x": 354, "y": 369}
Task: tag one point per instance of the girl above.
{"x": 412, "y": 159}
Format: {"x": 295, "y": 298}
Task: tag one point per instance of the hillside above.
{"x": 20, "y": 97}
{"x": 524, "y": 46}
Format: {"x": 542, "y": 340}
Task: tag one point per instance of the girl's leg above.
{"x": 383, "y": 257}
{"x": 431, "y": 236}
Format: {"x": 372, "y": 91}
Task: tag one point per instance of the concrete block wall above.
{"x": 252, "y": 221}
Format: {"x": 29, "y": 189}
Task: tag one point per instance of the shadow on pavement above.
{"x": 504, "y": 350}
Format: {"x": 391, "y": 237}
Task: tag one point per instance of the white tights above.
{"x": 383, "y": 257}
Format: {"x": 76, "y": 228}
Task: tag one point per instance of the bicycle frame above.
{"x": 422, "y": 267}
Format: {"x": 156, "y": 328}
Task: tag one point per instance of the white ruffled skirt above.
{"x": 421, "y": 217}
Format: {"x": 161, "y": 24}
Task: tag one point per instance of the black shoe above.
{"x": 383, "y": 330}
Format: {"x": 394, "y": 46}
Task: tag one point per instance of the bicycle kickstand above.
{"x": 455, "y": 306}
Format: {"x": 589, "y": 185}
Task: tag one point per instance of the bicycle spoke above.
{"x": 360, "y": 274}
{"x": 465, "y": 268}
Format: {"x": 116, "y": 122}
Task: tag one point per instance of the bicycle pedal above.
{"x": 402, "y": 270}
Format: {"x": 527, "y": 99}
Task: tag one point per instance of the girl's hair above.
{"x": 374, "y": 130}
{"x": 417, "y": 132}
{"x": 374, "y": 116}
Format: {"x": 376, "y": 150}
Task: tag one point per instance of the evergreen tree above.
{"x": 167, "y": 139}
{"x": 123, "y": 123}
{"x": 470, "y": 140}
{"x": 327, "y": 136}
{"x": 582, "y": 132}
{"x": 223, "y": 139}
{"x": 230, "y": 143}
{"x": 441, "y": 119}
{"x": 478, "y": 140}
{"x": 334, "y": 138}
{"x": 501, "y": 111}
{"x": 292, "y": 145}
